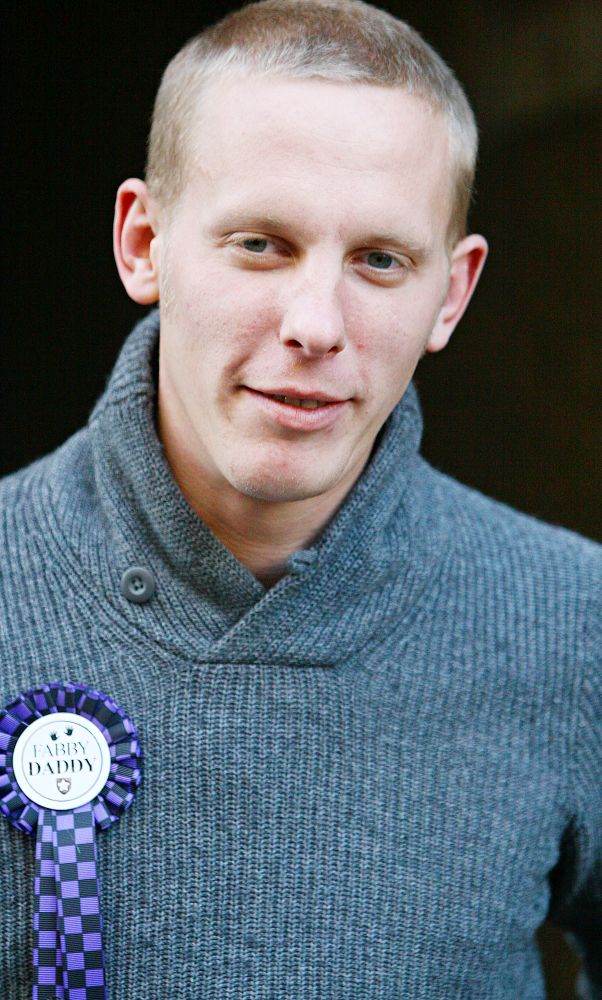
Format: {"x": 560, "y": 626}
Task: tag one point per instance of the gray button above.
{"x": 138, "y": 584}
{"x": 301, "y": 560}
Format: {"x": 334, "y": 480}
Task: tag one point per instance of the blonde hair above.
{"x": 340, "y": 40}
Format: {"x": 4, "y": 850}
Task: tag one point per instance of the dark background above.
{"x": 511, "y": 406}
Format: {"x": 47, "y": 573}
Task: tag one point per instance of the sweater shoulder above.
{"x": 545, "y": 578}
{"x": 488, "y": 529}
{"x": 28, "y": 482}
{"x": 60, "y": 484}
{"x": 536, "y": 588}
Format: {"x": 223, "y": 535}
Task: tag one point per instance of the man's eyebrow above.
{"x": 266, "y": 222}
{"x": 243, "y": 220}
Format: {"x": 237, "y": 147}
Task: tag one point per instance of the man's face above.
{"x": 305, "y": 258}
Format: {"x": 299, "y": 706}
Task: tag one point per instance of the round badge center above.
{"x": 61, "y": 761}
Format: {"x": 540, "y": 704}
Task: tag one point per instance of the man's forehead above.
{"x": 357, "y": 125}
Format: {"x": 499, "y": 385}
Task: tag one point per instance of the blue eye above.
{"x": 255, "y": 245}
{"x": 381, "y": 261}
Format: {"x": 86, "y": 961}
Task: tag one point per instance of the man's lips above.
{"x": 292, "y": 392}
{"x": 321, "y": 410}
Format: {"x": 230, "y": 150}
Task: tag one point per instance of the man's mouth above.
{"x": 305, "y": 404}
{"x": 297, "y": 408}
{"x": 293, "y": 396}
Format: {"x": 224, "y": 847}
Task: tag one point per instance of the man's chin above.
{"x": 276, "y": 486}
{"x": 277, "y": 491}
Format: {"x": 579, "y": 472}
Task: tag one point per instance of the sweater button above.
{"x": 301, "y": 560}
{"x": 138, "y": 584}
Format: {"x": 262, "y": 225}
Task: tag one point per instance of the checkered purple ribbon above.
{"x": 68, "y": 956}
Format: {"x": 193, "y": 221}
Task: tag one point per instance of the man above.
{"x": 368, "y": 697}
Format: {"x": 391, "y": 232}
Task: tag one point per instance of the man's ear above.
{"x": 468, "y": 259}
{"x": 134, "y": 230}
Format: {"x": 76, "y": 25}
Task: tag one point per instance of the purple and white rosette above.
{"x": 70, "y": 761}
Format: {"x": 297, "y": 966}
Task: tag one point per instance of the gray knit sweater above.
{"x": 372, "y": 782}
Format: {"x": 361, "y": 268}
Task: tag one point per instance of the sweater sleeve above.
{"x": 577, "y": 884}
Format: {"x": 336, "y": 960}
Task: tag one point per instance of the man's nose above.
{"x": 313, "y": 322}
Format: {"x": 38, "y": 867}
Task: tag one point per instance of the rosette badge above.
{"x": 69, "y": 762}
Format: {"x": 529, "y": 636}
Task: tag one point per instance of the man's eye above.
{"x": 381, "y": 261}
{"x": 267, "y": 252}
{"x": 254, "y": 244}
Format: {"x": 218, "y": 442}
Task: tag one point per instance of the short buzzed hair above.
{"x": 339, "y": 40}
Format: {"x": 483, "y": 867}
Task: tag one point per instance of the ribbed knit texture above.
{"x": 371, "y": 782}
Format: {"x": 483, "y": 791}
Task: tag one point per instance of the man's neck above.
{"x": 260, "y": 534}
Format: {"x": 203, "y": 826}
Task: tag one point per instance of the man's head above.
{"x": 300, "y": 249}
